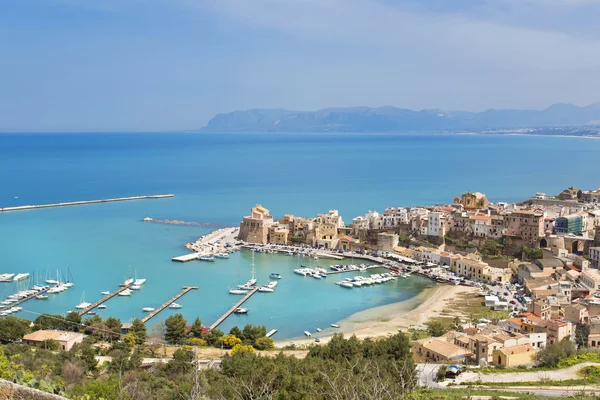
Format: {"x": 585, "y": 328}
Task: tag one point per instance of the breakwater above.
{"x": 185, "y": 223}
{"x": 84, "y": 202}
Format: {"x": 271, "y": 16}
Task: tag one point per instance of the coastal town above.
{"x": 536, "y": 262}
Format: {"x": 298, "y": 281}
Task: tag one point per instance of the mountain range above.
{"x": 393, "y": 119}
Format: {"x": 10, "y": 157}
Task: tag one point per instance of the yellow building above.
{"x": 514, "y": 356}
{"x": 278, "y": 235}
{"x": 255, "y": 227}
{"x": 472, "y": 201}
{"x": 438, "y": 350}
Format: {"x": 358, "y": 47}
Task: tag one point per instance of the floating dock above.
{"x": 185, "y": 290}
{"x": 84, "y": 202}
{"x": 186, "y": 258}
{"x": 104, "y": 299}
{"x": 232, "y": 309}
{"x": 24, "y": 299}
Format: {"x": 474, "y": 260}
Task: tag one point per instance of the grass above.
{"x": 460, "y": 393}
{"x": 467, "y": 305}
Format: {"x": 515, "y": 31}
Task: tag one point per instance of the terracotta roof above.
{"x": 442, "y": 347}
{"x": 515, "y": 321}
{"x": 522, "y": 348}
{"x": 60, "y": 336}
{"x": 480, "y": 217}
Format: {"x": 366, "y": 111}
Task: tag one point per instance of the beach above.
{"x": 389, "y": 319}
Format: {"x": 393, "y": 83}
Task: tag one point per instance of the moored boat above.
{"x": 175, "y": 306}
{"x": 147, "y": 309}
{"x": 275, "y": 276}
{"x": 240, "y": 310}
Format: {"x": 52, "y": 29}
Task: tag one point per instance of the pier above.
{"x": 185, "y": 290}
{"x": 24, "y": 299}
{"x": 187, "y": 257}
{"x": 104, "y": 299}
{"x": 232, "y": 309}
{"x": 84, "y": 202}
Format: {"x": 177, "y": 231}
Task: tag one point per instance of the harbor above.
{"x": 85, "y": 202}
{"x": 219, "y": 242}
{"x": 232, "y": 309}
{"x": 122, "y": 288}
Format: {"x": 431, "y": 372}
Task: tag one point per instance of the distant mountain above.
{"x": 391, "y": 119}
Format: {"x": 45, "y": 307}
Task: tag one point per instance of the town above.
{"x": 536, "y": 260}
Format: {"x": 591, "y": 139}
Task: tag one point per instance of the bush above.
{"x": 264, "y": 343}
{"x": 441, "y": 373}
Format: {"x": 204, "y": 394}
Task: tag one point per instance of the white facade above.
{"x": 537, "y": 340}
{"x": 434, "y": 224}
{"x": 393, "y": 217}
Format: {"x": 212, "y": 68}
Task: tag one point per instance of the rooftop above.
{"x": 60, "y": 336}
{"x": 522, "y": 348}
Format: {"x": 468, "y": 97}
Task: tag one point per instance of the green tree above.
{"x": 264, "y": 343}
{"x": 436, "y": 328}
{"x": 553, "y": 353}
{"x": 114, "y": 326}
{"x": 175, "y": 329}
{"x": 213, "y": 336}
{"x": 138, "y": 327}
{"x": 237, "y": 332}
{"x": 13, "y": 329}
{"x": 230, "y": 341}
{"x": 51, "y": 344}
{"x": 47, "y": 321}
{"x": 196, "y": 329}
{"x": 182, "y": 361}
{"x": 75, "y": 320}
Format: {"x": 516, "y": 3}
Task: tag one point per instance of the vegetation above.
{"x": 553, "y": 354}
{"x": 530, "y": 254}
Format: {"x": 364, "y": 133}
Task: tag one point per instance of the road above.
{"x": 524, "y": 376}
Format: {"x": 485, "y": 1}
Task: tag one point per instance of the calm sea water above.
{"x": 217, "y": 178}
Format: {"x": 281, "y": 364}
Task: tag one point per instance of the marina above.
{"x": 20, "y": 300}
{"x": 153, "y": 313}
{"x": 85, "y": 202}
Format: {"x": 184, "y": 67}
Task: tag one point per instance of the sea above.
{"x": 216, "y": 179}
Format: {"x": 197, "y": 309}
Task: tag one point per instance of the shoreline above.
{"x": 390, "y": 318}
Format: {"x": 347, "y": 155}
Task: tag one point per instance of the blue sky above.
{"x": 154, "y": 65}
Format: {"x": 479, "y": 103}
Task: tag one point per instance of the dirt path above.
{"x": 524, "y": 376}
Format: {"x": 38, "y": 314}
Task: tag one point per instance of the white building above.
{"x": 393, "y": 217}
{"x": 434, "y": 224}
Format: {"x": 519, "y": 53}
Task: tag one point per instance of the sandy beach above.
{"x": 388, "y": 319}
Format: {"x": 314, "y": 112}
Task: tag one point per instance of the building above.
{"x": 594, "y": 335}
{"x": 558, "y": 330}
{"x": 255, "y": 227}
{"x": 472, "y": 201}
{"x": 394, "y": 217}
{"x": 387, "y": 241}
{"x": 576, "y": 314}
{"x": 594, "y": 257}
{"x": 569, "y": 193}
{"x": 278, "y": 235}
{"x": 590, "y": 196}
{"x": 480, "y": 271}
{"x": 571, "y": 224}
{"x": 65, "y": 340}
{"x": 480, "y": 225}
{"x": 590, "y": 278}
{"x": 514, "y": 356}
{"x": 438, "y": 350}
{"x": 326, "y": 229}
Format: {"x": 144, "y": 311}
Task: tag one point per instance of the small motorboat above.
{"x": 238, "y": 291}
{"x": 307, "y": 333}
{"x": 135, "y": 287}
{"x": 206, "y": 258}
{"x": 101, "y": 306}
{"x": 335, "y": 326}
{"x": 175, "y": 306}
{"x": 147, "y": 309}
{"x": 90, "y": 313}
{"x": 41, "y": 297}
{"x": 319, "y": 330}
{"x": 265, "y": 289}
{"x": 240, "y": 310}
{"x": 275, "y": 276}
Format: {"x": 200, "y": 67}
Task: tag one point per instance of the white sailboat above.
{"x": 83, "y": 303}
{"x": 252, "y": 280}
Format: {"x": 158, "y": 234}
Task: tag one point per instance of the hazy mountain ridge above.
{"x": 387, "y": 118}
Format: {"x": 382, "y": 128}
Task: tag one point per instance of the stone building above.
{"x": 326, "y": 229}
{"x": 472, "y": 201}
{"x": 387, "y": 241}
{"x": 65, "y": 340}
{"x": 254, "y": 228}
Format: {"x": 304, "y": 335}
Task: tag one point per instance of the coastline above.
{"x": 390, "y": 318}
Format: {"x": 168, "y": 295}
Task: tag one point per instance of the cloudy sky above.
{"x": 153, "y": 65}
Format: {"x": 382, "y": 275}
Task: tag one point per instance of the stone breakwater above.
{"x": 84, "y": 202}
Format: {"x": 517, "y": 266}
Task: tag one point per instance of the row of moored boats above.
{"x": 359, "y": 281}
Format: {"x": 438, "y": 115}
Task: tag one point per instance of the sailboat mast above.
{"x": 253, "y": 271}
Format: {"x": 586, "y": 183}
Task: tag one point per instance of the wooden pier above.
{"x": 185, "y": 290}
{"x": 232, "y": 309}
{"x": 104, "y": 299}
{"x": 24, "y": 299}
{"x": 80, "y": 203}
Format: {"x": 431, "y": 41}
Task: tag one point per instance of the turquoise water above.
{"x": 217, "y": 178}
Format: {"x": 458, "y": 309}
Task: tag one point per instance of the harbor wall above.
{"x": 84, "y": 202}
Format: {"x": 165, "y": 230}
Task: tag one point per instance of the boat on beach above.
{"x": 307, "y": 333}
{"x": 335, "y": 326}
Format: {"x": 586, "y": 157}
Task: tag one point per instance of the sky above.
{"x": 161, "y": 65}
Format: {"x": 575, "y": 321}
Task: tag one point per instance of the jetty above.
{"x": 24, "y": 299}
{"x": 185, "y": 290}
{"x": 104, "y": 299}
{"x": 232, "y": 309}
{"x": 219, "y": 241}
{"x": 84, "y": 202}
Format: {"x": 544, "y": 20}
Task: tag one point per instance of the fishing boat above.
{"x": 240, "y": 310}
{"x": 275, "y": 276}
{"x": 175, "y": 306}
{"x": 307, "y": 333}
{"x": 147, "y": 309}
{"x": 105, "y": 293}
{"x": 222, "y": 255}
{"x": 83, "y": 303}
